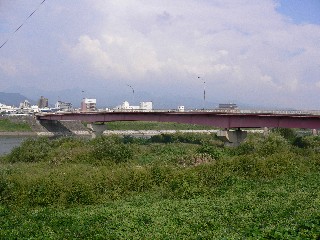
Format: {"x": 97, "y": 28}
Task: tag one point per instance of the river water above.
{"x": 7, "y": 143}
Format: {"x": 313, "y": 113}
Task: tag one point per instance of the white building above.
{"x": 63, "y": 106}
{"x": 25, "y": 105}
{"x": 180, "y": 108}
{"x": 35, "y": 108}
{"x": 126, "y": 106}
{"x": 144, "y": 106}
{"x": 88, "y": 105}
{"x": 147, "y": 106}
{"x": 6, "y": 109}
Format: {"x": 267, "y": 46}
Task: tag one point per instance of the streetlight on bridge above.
{"x": 132, "y": 92}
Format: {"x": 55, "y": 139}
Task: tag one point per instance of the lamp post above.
{"x": 204, "y": 94}
{"x": 132, "y": 92}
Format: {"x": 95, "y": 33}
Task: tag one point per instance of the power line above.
{"x": 12, "y": 34}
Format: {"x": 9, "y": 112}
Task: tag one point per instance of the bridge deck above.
{"x": 216, "y": 119}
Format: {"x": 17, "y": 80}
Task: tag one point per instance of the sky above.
{"x": 262, "y": 53}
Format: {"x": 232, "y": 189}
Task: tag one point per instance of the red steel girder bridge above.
{"x": 215, "y": 119}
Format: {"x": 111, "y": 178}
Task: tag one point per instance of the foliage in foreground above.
{"x": 241, "y": 209}
{"x": 165, "y": 187}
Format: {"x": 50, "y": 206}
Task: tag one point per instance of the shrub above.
{"x": 193, "y": 138}
{"x": 31, "y": 150}
{"x": 136, "y": 140}
{"x": 212, "y": 151}
{"x": 245, "y": 148}
{"x": 195, "y": 159}
{"x": 111, "y": 148}
{"x": 288, "y": 133}
{"x": 312, "y": 142}
{"x": 160, "y": 174}
{"x": 271, "y": 144}
{"x": 69, "y": 150}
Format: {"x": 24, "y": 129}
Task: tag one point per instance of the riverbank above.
{"x": 27, "y": 125}
{"x": 18, "y": 134}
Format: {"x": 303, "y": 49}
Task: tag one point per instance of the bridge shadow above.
{"x": 56, "y": 127}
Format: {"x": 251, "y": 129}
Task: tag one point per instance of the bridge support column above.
{"x": 97, "y": 129}
{"x": 232, "y": 138}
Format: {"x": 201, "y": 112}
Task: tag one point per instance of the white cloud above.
{"x": 7, "y": 67}
{"x": 196, "y": 35}
{"x": 244, "y": 46}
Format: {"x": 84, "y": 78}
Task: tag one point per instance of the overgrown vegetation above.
{"x": 8, "y": 126}
{"x": 142, "y": 125}
{"x": 169, "y": 186}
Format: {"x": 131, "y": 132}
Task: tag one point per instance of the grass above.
{"x": 7, "y": 126}
{"x": 278, "y": 209}
{"x": 173, "y": 187}
{"x": 141, "y": 125}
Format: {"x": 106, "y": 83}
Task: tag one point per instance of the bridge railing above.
{"x": 222, "y": 111}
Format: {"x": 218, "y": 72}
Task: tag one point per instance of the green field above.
{"x": 8, "y": 126}
{"x": 141, "y": 125}
{"x": 180, "y": 186}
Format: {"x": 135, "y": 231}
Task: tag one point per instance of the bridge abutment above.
{"x": 232, "y": 138}
{"x": 97, "y": 129}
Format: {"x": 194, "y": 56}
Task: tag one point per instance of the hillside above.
{"x": 12, "y": 98}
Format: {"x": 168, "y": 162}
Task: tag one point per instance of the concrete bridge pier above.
{"x": 97, "y": 129}
{"x": 232, "y": 138}
{"x": 315, "y": 132}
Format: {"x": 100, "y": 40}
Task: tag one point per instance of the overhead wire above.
{"x": 12, "y": 34}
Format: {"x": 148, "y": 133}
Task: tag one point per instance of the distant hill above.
{"x": 12, "y": 99}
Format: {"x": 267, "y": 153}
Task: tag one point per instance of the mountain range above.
{"x": 13, "y": 99}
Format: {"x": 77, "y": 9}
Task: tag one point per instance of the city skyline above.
{"x": 265, "y": 53}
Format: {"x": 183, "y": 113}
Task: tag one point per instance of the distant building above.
{"x": 6, "y": 109}
{"x": 43, "y": 102}
{"x": 25, "y": 104}
{"x": 180, "y": 108}
{"x": 63, "y": 106}
{"x": 126, "y": 106}
{"x": 228, "y": 106}
{"x": 88, "y": 105}
{"x": 35, "y": 108}
{"x": 144, "y": 106}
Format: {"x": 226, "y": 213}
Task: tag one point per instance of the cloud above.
{"x": 7, "y": 67}
{"x": 244, "y": 49}
{"x": 195, "y": 37}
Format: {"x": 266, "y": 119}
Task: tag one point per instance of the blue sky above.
{"x": 301, "y": 11}
{"x": 259, "y": 53}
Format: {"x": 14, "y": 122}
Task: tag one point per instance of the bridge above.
{"x": 221, "y": 119}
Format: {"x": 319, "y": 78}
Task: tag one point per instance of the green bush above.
{"x": 245, "y": 148}
{"x": 288, "y": 133}
{"x": 271, "y": 144}
{"x": 31, "y": 150}
{"x": 312, "y": 142}
{"x": 111, "y": 148}
{"x": 193, "y": 138}
{"x": 213, "y": 151}
{"x": 263, "y": 145}
{"x": 135, "y": 140}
